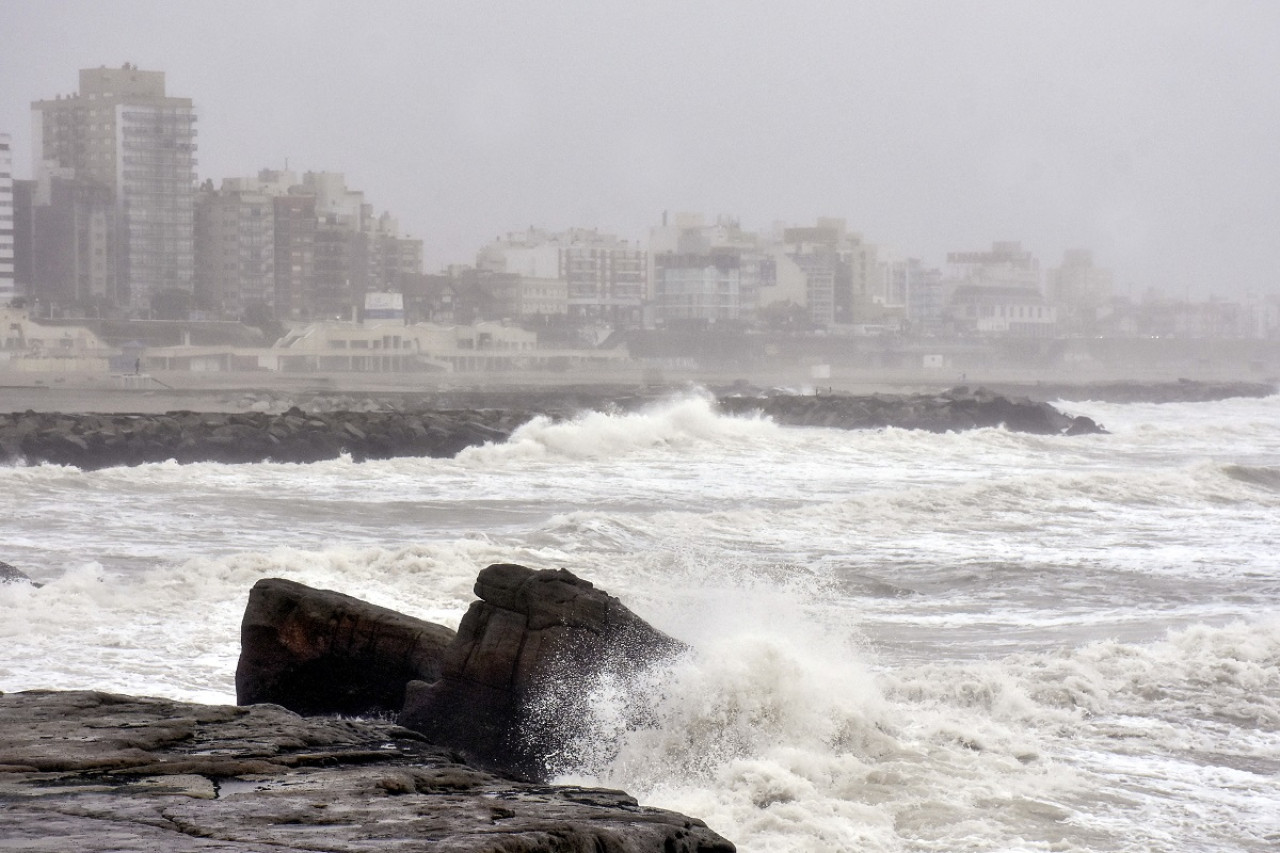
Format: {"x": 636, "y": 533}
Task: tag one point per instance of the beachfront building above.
{"x": 704, "y": 273}
{"x": 122, "y": 134}
{"x": 28, "y": 346}
{"x": 916, "y": 292}
{"x": 304, "y": 248}
{"x": 604, "y": 275}
{"x": 1080, "y": 290}
{"x": 8, "y": 275}
{"x": 844, "y": 288}
{"x": 997, "y": 293}
{"x": 74, "y": 245}
{"x": 235, "y": 249}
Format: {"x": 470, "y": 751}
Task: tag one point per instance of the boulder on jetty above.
{"x": 88, "y": 772}
{"x": 516, "y": 680}
{"x": 1133, "y": 391}
{"x": 951, "y": 411}
{"x": 91, "y": 441}
{"x": 316, "y": 651}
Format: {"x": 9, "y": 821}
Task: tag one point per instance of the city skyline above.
{"x": 1145, "y": 138}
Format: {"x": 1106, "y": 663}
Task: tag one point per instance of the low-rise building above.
{"x": 27, "y": 346}
{"x": 997, "y": 293}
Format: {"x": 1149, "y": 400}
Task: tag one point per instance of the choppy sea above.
{"x": 982, "y": 641}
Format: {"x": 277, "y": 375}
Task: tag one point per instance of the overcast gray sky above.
{"x": 1146, "y": 131}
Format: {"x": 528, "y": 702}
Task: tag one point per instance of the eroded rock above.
{"x": 316, "y": 651}
{"x": 516, "y": 682}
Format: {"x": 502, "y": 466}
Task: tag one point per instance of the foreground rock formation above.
{"x": 91, "y": 441}
{"x": 89, "y": 772}
{"x": 320, "y": 652}
{"x": 517, "y": 679}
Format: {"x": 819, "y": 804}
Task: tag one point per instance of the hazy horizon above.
{"x": 1143, "y": 131}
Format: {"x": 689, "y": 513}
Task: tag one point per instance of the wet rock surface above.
{"x": 416, "y": 428}
{"x": 90, "y": 441}
{"x": 10, "y": 574}
{"x": 1181, "y": 391}
{"x": 316, "y": 651}
{"x": 517, "y": 680}
{"x": 954, "y": 410}
{"x": 89, "y": 771}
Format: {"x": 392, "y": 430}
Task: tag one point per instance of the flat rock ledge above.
{"x": 90, "y": 771}
{"x": 92, "y": 441}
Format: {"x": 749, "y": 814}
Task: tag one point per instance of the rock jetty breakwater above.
{"x": 467, "y": 770}
{"x": 91, "y": 441}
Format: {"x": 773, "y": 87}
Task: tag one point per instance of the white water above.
{"x": 903, "y": 641}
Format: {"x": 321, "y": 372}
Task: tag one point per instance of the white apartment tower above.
{"x": 8, "y": 288}
{"x": 122, "y": 132}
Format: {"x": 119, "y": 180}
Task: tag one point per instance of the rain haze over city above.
{"x": 1143, "y": 132}
{"x": 841, "y": 427}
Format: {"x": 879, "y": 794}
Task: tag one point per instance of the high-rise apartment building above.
{"x": 74, "y": 241}
{"x": 843, "y": 278}
{"x": 704, "y": 273}
{"x": 1080, "y": 289}
{"x": 235, "y": 249}
{"x": 8, "y": 281}
{"x": 123, "y": 133}
{"x": 605, "y": 275}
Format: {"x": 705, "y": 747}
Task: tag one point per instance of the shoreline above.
{"x": 161, "y": 392}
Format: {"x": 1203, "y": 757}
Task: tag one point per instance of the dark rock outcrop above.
{"x": 516, "y": 680}
{"x": 93, "y": 772}
{"x": 315, "y": 651}
{"x": 91, "y": 441}
{"x": 9, "y": 574}
{"x": 1181, "y": 391}
{"x": 955, "y": 410}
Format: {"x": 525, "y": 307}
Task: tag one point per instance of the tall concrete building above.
{"x": 704, "y": 273}
{"x": 8, "y": 280}
{"x": 235, "y": 247}
{"x": 1080, "y": 289}
{"x": 605, "y": 276}
{"x": 122, "y": 132}
{"x": 74, "y": 242}
{"x": 997, "y": 292}
{"x": 844, "y": 286}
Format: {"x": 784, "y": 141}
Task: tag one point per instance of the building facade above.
{"x": 605, "y": 276}
{"x": 235, "y": 250}
{"x": 74, "y": 243}
{"x": 123, "y": 133}
{"x": 1079, "y": 289}
{"x": 997, "y": 293}
{"x": 8, "y": 275}
{"x": 843, "y": 286}
{"x": 295, "y": 239}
